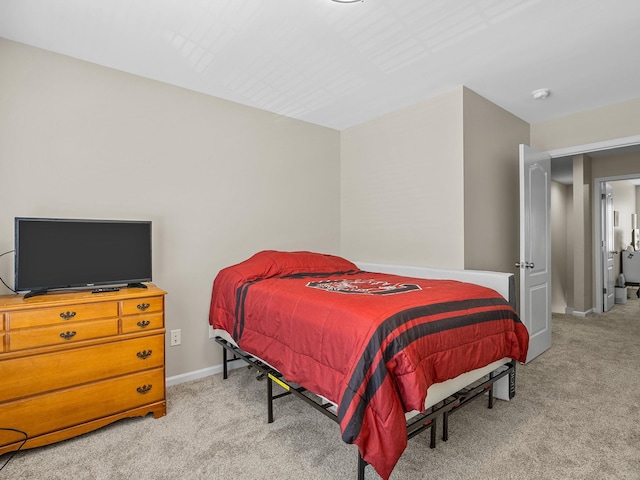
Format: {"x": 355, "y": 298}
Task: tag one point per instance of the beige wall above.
{"x": 616, "y": 164}
{"x": 403, "y": 186}
{"x": 561, "y": 283}
{"x": 219, "y": 180}
{"x": 581, "y": 248}
{"x": 434, "y": 184}
{"x": 606, "y": 123}
{"x": 491, "y": 192}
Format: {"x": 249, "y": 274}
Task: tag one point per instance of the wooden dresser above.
{"x": 73, "y": 362}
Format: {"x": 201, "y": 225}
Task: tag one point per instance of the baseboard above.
{"x": 576, "y": 313}
{"x": 198, "y": 374}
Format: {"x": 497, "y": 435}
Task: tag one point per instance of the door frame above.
{"x": 614, "y": 144}
{"x": 607, "y": 247}
{"x": 597, "y": 234}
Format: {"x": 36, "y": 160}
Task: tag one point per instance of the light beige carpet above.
{"x": 576, "y": 415}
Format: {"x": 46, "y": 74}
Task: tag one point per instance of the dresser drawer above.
{"x": 61, "y": 334}
{"x": 64, "y": 408}
{"x": 52, "y": 371}
{"x": 142, "y": 305}
{"x": 141, "y": 323}
{"x": 2, "y": 327}
{"x": 64, "y": 314}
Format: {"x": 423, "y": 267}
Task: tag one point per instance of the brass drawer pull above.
{"x": 67, "y": 315}
{"x": 68, "y": 335}
{"x": 143, "y": 306}
{"x": 144, "y": 354}
{"x": 144, "y": 389}
{"x": 143, "y": 323}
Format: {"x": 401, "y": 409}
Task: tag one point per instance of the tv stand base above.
{"x": 34, "y": 293}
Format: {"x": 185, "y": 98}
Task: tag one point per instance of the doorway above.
{"x": 626, "y": 202}
{"x": 606, "y": 165}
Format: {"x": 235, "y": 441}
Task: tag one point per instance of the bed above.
{"x": 377, "y": 342}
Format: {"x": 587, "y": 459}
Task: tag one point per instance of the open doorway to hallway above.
{"x": 578, "y": 270}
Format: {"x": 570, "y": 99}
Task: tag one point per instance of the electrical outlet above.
{"x": 176, "y": 337}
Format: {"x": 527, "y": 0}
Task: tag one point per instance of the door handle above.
{"x": 525, "y": 264}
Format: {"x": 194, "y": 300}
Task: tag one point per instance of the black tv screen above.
{"x": 62, "y": 253}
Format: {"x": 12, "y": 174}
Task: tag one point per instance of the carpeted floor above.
{"x": 576, "y": 415}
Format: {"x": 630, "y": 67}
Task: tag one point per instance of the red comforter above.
{"x": 372, "y": 343}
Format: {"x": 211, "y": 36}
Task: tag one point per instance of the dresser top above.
{"x": 59, "y": 297}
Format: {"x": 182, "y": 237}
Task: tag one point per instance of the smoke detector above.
{"x": 540, "y": 94}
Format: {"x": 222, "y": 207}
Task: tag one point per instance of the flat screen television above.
{"x": 54, "y": 253}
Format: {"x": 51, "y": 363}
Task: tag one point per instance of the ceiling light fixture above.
{"x": 541, "y": 93}
{"x": 347, "y": 1}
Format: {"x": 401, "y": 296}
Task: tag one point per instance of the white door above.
{"x": 606, "y": 202}
{"x": 535, "y": 248}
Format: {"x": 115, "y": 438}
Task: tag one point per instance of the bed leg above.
{"x": 491, "y": 392}
{"x": 490, "y": 397}
{"x": 445, "y": 426}
{"x": 361, "y": 465}
{"x": 434, "y": 432}
{"x": 269, "y": 399}
{"x": 512, "y": 381}
{"x": 224, "y": 363}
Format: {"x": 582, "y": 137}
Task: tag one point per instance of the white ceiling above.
{"x": 338, "y": 65}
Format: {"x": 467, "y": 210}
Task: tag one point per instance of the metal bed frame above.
{"x": 415, "y": 424}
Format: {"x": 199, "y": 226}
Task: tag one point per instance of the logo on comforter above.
{"x": 363, "y": 286}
